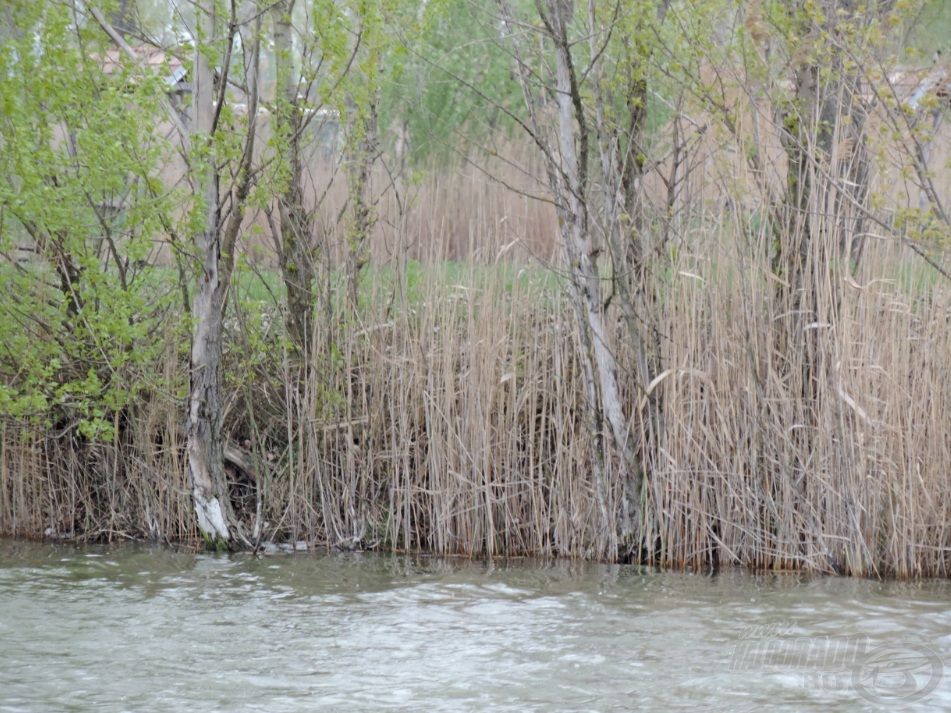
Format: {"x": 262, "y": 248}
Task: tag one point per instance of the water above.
{"x": 141, "y": 629}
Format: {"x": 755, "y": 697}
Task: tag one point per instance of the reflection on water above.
{"x": 136, "y": 629}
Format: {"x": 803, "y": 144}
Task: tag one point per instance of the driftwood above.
{"x": 240, "y": 460}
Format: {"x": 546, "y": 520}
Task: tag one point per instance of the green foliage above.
{"x": 77, "y": 198}
{"x": 81, "y": 161}
{"x": 928, "y": 27}
{"x": 448, "y": 78}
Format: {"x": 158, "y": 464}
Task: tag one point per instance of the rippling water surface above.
{"x": 140, "y": 629}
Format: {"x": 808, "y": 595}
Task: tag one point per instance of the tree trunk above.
{"x": 296, "y": 253}
{"x": 620, "y": 118}
{"x": 826, "y": 153}
{"x": 820, "y": 224}
{"x": 204, "y": 445}
{"x": 363, "y": 153}
{"x": 216, "y": 246}
{"x": 628, "y": 283}
{"x": 583, "y": 254}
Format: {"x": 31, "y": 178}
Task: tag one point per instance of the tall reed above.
{"x": 446, "y": 412}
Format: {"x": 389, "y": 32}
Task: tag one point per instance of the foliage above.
{"x": 80, "y": 207}
{"x": 448, "y": 80}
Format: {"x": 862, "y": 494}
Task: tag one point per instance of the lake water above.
{"x": 143, "y": 629}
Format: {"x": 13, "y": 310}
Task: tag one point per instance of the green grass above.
{"x": 419, "y": 280}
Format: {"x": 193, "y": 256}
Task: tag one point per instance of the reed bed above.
{"x": 852, "y": 478}
{"x": 446, "y": 411}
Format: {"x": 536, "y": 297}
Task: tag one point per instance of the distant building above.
{"x": 166, "y": 65}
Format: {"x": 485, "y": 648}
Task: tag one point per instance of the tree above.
{"x": 211, "y": 144}
{"x": 567, "y": 152}
{"x": 294, "y": 236}
{"x": 76, "y": 213}
{"x": 218, "y": 217}
{"x": 363, "y": 145}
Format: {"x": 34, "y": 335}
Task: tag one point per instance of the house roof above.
{"x": 158, "y": 60}
{"x": 913, "y": 85}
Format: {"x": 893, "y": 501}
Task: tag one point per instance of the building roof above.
{"x": 913, "y": 85}
{"x": 168, "y": 66}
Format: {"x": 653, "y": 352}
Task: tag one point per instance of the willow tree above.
{"x": 220, "y": 140}
{"x": 76, "y": 222}
{"x": 565, "y": 141}
{"x": 218, "y": 149}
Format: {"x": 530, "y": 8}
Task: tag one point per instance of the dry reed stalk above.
{"x": 447, "y": 413}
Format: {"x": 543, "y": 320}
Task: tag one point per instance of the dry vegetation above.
{"x": 448, "y": 414}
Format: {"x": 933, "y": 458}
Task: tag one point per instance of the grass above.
{"x": 410, "y": 280}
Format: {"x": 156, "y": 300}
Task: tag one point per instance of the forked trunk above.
{"x": 585, "y": 276}
{"x": 204, "y": 446}
{"x": 216, "y": 246}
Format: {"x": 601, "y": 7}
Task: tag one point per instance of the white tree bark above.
{"x": 216, "y": 245}
{"x": 204, "y": 447}
{"x": 583, "y": 253}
